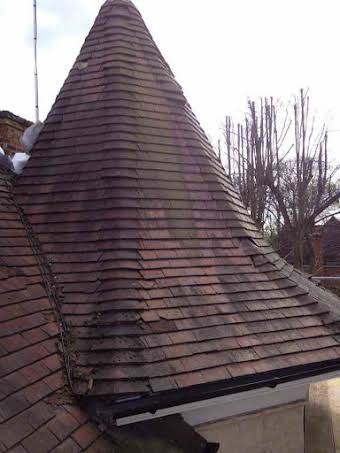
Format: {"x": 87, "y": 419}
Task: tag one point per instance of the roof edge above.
{"x": 321, "y": 295}
{"x": 164, "y": 400}
{"x": 9, "y": 115}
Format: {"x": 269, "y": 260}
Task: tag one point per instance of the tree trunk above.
{"x": 298, "y": 249}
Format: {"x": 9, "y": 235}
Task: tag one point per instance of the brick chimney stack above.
{"x": 11, "y": 129}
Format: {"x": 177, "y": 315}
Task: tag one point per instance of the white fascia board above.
{"x": 237, "y": 404}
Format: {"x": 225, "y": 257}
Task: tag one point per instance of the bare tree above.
{"x": 281, "y": 167}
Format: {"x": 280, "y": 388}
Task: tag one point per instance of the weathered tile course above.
{"x": 145, "y": 232}
{"x": 31, "y": 369}
{"x": 163, "y": 280}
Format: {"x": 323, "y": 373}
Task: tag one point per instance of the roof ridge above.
{"x": 126, "y": 3}
{"x": 123, "y": 2}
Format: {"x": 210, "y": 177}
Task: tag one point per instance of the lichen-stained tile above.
{"x": 215, "y": 374}
{"x": 189, "y": 379}
{"x": 166, "y": 283}
{"x": 162, "y": 384}
{"x": 264, "y": 351}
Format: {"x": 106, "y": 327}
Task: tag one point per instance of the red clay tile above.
{"x": 85, "y": 435}
{"x": 69, "y": 446}
{"x": 40, "y": 440}
{"x": 147, "y": 256}
{"x": 63, "y": 425}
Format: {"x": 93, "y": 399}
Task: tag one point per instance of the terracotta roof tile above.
{"x": 41, "y": 440}
{"x": 31, "y": 368}
{"x": 68, "y": 446}
{"x": 127, "y": 238}
{"x": 85, "y": 436}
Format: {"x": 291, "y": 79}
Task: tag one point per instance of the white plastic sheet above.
{"x": 19, "y": 162}
{"x": 30, "y": 135}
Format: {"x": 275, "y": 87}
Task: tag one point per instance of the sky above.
{"x": 222, "y": 52}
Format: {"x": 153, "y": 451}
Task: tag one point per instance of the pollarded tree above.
{"x": 280, "y": 164}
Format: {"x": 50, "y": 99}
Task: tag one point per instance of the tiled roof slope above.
{"x": 166, "y": 281}
{"x": 36, "y": 413}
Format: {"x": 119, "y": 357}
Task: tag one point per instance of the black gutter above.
{"x": 153, "y": 403}
{"x": 212, "y": 448}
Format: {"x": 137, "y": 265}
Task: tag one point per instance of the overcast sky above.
{"x": 221, "y": 51}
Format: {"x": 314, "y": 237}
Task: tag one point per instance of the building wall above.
{"x": 11, "y": 130}
{"x": 277, "y": 430}
{"x": 322, "y": 406}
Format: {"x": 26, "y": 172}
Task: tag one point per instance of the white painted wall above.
{"x": 279, "y": 430}
{"x": 246, "y": 403}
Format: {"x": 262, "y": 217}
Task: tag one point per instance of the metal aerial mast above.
{"x": 36, "y": 80}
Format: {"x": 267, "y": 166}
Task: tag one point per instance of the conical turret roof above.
{"x": 165, "y": 281}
